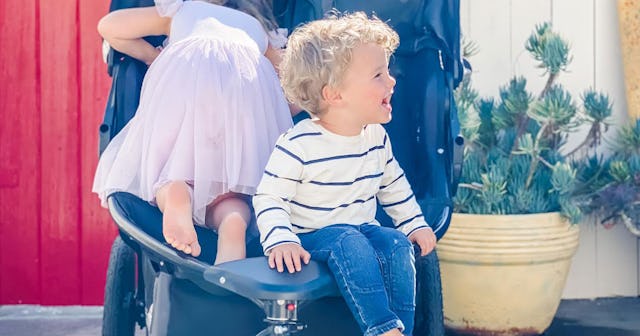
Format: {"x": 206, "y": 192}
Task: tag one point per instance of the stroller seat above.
{"x": 253, "y": 279}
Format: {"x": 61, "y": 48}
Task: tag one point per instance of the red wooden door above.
{"x": 54, "y": 237}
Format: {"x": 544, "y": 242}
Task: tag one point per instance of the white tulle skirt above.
{"x": 210, "y": 112}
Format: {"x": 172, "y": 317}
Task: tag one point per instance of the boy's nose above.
{"x": 392, "y": 81}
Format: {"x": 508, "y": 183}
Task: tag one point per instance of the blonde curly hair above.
{"x": 319, "y": 53}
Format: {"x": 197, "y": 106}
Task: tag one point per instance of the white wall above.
{"x": 607, "y": 262}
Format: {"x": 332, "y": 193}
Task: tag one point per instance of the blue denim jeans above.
{"x": 374, "y": 269}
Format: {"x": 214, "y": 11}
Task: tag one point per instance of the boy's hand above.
{"x": 425, "y": 239}
{"x": 290, "y": 255}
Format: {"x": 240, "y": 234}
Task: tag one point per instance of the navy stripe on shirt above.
{"x": 346, "y": 156}
{"x": 331, "y": 209}
{"x": 286, "y": 151}
{"x": 416, "y": 229}
{"x": 409, "y": 220}
{"x": 298, "y": 226}
{"x": 268, "y": 173}
{"x": 397, "y": 203}
{"x": 366, "y": 177}
{"x": 330, "y": 158}
{"x": 392, "y": 182}
{"x": 304, "y": 134}
{"x": 270, "y": 209}
{"x": 271, "y": 231}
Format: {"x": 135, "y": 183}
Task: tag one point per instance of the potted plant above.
{"x": 507, "y": 253}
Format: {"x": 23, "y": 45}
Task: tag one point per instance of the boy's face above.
{"x": 367, "y": 86}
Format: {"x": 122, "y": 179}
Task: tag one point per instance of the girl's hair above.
{"x": 319, "y": 53}
{"x": 262, "y": 10}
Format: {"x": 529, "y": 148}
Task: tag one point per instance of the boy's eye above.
{"x": 378, "y": 75}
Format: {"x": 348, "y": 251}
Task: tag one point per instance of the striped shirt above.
{"x": 315, "y": 178}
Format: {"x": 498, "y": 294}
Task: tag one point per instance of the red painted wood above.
{"x": 60, "y": 129}
{"x": 54, "y": 236}
{"x": 98, "y": 230}
{"x": 19, "y": 153}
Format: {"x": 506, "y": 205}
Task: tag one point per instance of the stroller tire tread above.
{"x": 119, "y": 301}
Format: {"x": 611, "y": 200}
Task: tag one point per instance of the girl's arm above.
{"x": 124, "y": 30}
{"x": 275, "y": 56}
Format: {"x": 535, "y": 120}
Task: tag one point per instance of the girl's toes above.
{"x": 195, "y": 249}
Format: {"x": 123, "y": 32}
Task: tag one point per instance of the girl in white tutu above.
{"x": 211, "y": 110}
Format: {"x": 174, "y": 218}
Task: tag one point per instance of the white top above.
{"x": 211, "y": 20}
{"x": 315, "y": 178}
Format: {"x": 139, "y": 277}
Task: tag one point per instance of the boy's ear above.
{"x": 331, "y": 95}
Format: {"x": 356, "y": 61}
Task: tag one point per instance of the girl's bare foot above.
{"x": 174, "y": 200}
{"x": 178, "y": 230}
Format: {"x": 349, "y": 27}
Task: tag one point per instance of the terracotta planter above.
{"x": 629, "y": 20}
{"x": 504, "y": 274}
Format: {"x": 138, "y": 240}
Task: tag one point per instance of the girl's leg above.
{"x": 396, "y": 257}
{"x": 229, "y": 215}
{"x": 354, "y": 264}
{"x": 174, "y": 200}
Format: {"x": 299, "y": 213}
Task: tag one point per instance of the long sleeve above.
{"x": 276, "y": 189}
{"x": 396, "y": 197}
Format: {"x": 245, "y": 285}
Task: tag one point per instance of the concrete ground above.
{"x": 602, "y": 317}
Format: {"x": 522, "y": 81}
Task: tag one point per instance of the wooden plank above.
{"x": 525, "y": 15}
{"x": 19, "y": 154}
{"x": 609, "y": 75}
{"x": 98, "y": 230}
{"x": 617, "y": 262}
{"x": 616, "y": 255}
{"x": 574, "y": 20}
{"x": 581, "y": 281}
{"x": 489, "y": 28}
{"x": 465, "y": 13}
{"x": 60, "y": 153}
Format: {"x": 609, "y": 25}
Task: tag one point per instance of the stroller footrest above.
{"x": 253, "y": 279}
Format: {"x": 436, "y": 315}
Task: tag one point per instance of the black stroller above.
{"x": 168, "y": 293}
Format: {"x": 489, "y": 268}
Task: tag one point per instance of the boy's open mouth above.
{"x": 386, "y": 102}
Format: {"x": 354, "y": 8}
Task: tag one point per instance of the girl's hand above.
{"x": 289, "y": 254}
{"x": 425, "y": 238}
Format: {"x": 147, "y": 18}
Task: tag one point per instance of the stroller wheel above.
{"x": 118, "y": 317}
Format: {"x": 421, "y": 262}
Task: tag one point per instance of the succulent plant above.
{"x": 517, "y": 158}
